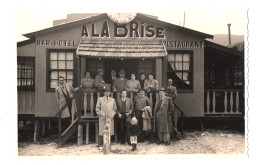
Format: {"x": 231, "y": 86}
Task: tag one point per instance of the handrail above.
{"x": 179, "y": 109}
{"x": 63, "y": 107}
{"x": 222, "y": 90}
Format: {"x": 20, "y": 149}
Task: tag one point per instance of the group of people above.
{"x": 134, "y": 116}
{"x": 119, "y": 83}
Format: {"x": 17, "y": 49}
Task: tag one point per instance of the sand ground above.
{"x": 209, "y": 141}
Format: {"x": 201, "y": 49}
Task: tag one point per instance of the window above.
{"x": 180, "y": 70}
{"x": 25, "y": 73}
{"x": 60, "y": 63}
{"x": 146, "y": 66}
{"x": 238, "y": 75}
{"x": 93, "y": 65}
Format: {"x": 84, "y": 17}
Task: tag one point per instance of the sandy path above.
{"x": 195, "y": 142}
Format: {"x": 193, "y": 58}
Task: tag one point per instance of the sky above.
{"x": 211, "y": 20}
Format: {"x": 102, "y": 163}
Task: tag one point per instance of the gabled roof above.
{"x": 25, "y": 42}
{"x": 104, "y": 16}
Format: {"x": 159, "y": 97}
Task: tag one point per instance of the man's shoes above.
{"x": 160, "y": 142}
{"x": 167, "y": 143}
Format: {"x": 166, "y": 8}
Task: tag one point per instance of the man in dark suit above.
{"x": 164, "y": 109}
{"x": 124, "y": 112}
{"x": 112, "y": 78}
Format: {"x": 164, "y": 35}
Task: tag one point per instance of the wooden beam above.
{"x": 87, "y": 133}
{"x": 80, "y": 134}
{"x": 36, "y": 130}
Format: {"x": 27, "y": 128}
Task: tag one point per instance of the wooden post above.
{"x": 201, "y": 125}
{"x": 231, "y": 102}
{"x": 237, "y": 102}
{"x": 96, "y": 130}
{"x": 182, "y": 124}
{"x": 92, "y": 103}
{"x": 60, "y": 142}
{"x": 87, "y": 132}
{"x": 85, "y": 103}
{"x": 43, "y": 128}
{"x": 80, "y": 134}
{"x": 49, "y": 125}
{"x": 214, "y": 102}
{"x": 208, "y": 102}
{"x": 225, "y": 102}
{"x": 36, "y": 131}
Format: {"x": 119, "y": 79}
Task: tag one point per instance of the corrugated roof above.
{"x": 121, "y": 48}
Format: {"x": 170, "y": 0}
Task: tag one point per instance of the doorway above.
{"x": 130, "y": 66}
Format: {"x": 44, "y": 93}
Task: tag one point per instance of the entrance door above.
{"x": 130, "y": 66}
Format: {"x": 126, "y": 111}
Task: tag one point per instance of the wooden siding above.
{"x": 26, "y": 98}
{"x": 192, "y": 103}
{"x": 45, "y": 102}
{"x": 25, "y": 102}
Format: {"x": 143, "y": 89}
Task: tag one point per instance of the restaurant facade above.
{"x": 209, "y": 77}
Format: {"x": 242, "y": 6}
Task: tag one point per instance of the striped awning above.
{"x": 121, "y": 48}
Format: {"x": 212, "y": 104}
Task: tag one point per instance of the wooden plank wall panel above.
{"x": 26, "y": 102}
{"x": 46, "y": 104}
{"x": 192, "y": 103}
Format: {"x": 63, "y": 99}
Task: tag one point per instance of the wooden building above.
{"x": 209, "y": 77}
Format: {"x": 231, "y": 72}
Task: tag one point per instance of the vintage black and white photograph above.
{"x": 145, "y": 82}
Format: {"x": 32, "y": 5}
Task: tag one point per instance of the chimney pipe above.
{"x": 229, "y": 34}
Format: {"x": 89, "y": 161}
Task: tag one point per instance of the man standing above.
{"x": 113, "y": 77}
{"x": 120, "y": 82}
{"x": 105, "y": 109}
{"x": 125, "y": 109}
{"x": 64, "y": 96}
{"x": 171, "y": 91}
{"x": 164, "y": 109}
{"x": 140, "y": 103}
{"x": 99, "y": 81}
{"x": 142, "y": 79}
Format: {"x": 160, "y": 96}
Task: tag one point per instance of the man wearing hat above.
{"x": 120, "y": 82}
{"x": 163, "y": 110}
{"x": 99, "y": 81}
{"x": 141, "y": 102}
{"x": 113, "y": 78}
{"x": 105, "y": 109}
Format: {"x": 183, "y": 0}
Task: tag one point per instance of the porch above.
{"x": 223, "y": 81}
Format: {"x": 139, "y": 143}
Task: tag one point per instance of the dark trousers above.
{"x": 123, "y": 129}
{"x": 100, "y": 140}
{"x": 138, "y": 115}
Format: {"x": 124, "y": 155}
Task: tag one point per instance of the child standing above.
{"x": 134, "y": 131}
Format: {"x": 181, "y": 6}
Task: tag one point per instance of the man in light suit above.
{"x": 163, "y": 111}
{"x": 106, "y": 110}
{"x": 124, "y": 112}
{"x": 64, "y": 95}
